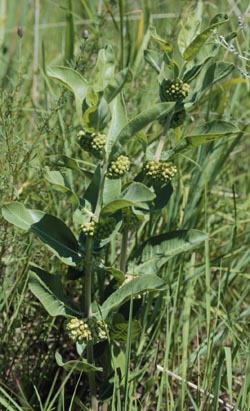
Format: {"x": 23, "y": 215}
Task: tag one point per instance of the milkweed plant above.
{"x": 116, "y": 254}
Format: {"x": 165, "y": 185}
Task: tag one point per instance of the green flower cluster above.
{"x": 93, "y": 143}
{"x": 173, "y": 90}
{"x": 89, "y": 228}
{"x": 84, "y": 331}
{"x": 78, "y": 330}
{"x": 104, "y": 228}
{"x": 159, "y": 171}
{"x": 118, "y": 167}
{"x": 129, "y": 219}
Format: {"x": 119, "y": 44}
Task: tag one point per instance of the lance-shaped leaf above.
{"x": 48, "y": 289}
{"x": 61, "y": 184}
{"x": 168, "y": 245}
{"x": 216, "y": 72}
{"x": 168, "y": 48}
{"x": 136, "y": 286}
{"x": 51, "y": 230}
{"x": 210, "y": 131}
{"x": 193, "y": 48}
{"x": 157, "y": 112}
{"x": 76, "y": 365}
{"x": 73, "y": 81}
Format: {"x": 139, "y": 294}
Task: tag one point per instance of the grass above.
{"x": 192, "y": 351}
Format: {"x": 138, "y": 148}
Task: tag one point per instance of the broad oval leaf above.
{"x": 157, "y": 112}
{"x": 138, "y": 192}
{"x": 170, "y": 244}
{"x": 51, "y": 230}
{"x": 81, "y": 365}
{"x": 73, "y": 81}
{"x": 210, "y": 131}
{"x": 136, "y": 286}
{"x": 48, "y": 289}
{"x": 61, "y": 184}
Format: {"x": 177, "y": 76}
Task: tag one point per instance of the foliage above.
{"x": 132, "y": 252}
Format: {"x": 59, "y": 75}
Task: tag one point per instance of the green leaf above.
{"x": 51, "y": 230}
{"x": 48, "y": 289}
{"x": 138, "y": 192}
{"x": 189, "y": 29}
{"x": 194, "y": 47}
{"x": 168, "y": 245}
{"x": 118, "y": 122}
{"x": 163, "y": 195}
{"x": 116, "y": 205}
{"x": 134, "y": 287}
{"x": 76, "y": 365}
{"x": 91, "y": 194}
{"x": 120, "y": 328}
{"x": 97, "y": 117}
{"x": 135, "y": 195}
{"x": 104, "y": 69}
{"x": 112, "y": 190}
{"x": 153, "y": 59}
{"x": 157, "y": 112}
{"x": 116, "y": 84}
{"x": 159, "y": 40}
{"x": 210, "y": 131}
{"x": 192, "y": 73}
{"x": 73, "y": 81}
{"x": 216, "y": 72}
{"x": 60, "y": 182}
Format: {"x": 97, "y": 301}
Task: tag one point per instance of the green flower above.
{"x": 78, "y": 330}
{"x": 173, "y": 90}
{"x": 118, "y": 167}
{"x": 159, "y": 172}
{"x": 84, "y": 331}
{"x": 93, "y": 143}
{"x": 88, "y": 228}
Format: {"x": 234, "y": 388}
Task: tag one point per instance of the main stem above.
{"x": 88, "y": 313}
{"x": 88, "y": 290}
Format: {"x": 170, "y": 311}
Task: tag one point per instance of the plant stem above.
{"x": 88, "y": 313}
{"x": 88, "y": 290}
{"x": 88, "y": 279}
{"x": 124, "y": 245}
{"x": 163, "y": 138}
{"x": 121, "y": 11}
